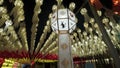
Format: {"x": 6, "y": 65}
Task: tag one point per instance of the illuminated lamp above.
{"x": 96, "y": 3}
{"x": 115, "y": 5}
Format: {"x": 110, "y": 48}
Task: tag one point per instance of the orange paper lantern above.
{"x": 115, "y": 5}
{"x": 96, "y": 3}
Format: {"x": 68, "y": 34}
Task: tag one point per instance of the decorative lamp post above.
{"x": 63, "y": 22}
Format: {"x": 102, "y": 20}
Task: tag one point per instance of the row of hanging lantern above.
{"x": 22, "y": 34}
{"x": 17, "y": 13}
{"x": 13, "y": 40}
{"x": 50, "y": 45}
{"x": 8, "y": 32}
{"x": 95, "y": 42}
{"x": 90, "y": 47}
{"x": 50, "y": 40}
{"x": 54, "y": 51}
{"x": 35, "y": 21}
{"x": 112, "y": 29}
{"x": 3, "y": 13}
{"x": 18, "y": 20}
{"x": 97, "y": 61}
{"x": 46, "y": 30}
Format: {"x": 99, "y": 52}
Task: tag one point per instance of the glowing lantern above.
{"x": 96, "y": 3}
{"x": 115, "y": 5}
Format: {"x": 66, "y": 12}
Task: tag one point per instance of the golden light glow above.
{"x": 1, "y": 2}
{"x": 116, "y": 2}
{"x": 72, "y": 6}
{"x": 92, "y": 1}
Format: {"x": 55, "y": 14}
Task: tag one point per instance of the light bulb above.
{"x": 99, "y": 13}
{"x": 39, "y": 1}
{"x": 105, "y": 20}
{"x": 19, "y": 3}
{"x": 1, "y": 2}
{"x": 72, "y": 6}
{"x": 83, "y": 11}
{"x": 3, "y": 10}
{"x": 54, "y": 8}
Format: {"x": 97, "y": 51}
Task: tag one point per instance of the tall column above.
{"x": 65, "y": 58}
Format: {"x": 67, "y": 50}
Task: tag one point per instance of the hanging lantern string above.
{"x": 6, "y": 38}
{"x": 54, "y": 51}
{"x": 18, "y": 15}
{"x": 49, "y": 41}
{"x": 3, "y": 14}
{"x": 84, "y": 12}
{"x": 12, "y": 37}
{"x": 22, "y": 34}
{"x": 35, "y": 20}
{"x": 17, "y": 12}
{"x": 111, "y": 28}
{"x": 43, "y": 37}
{"x": 52, "y": 45}
{"x": 82, "y": 48}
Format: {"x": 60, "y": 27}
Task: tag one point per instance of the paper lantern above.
{"x": 96, "y": 3}
{"x": 115, "y": 6}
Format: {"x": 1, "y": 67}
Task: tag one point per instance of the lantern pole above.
{"x": 63, "y": 22}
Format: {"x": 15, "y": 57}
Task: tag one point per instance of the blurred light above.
{"x": 116, "y": 12}
{"x": 72, "y": 6}
{"x": 115, "y": 2}
{"x": 1, "y": 2}
{"x": 83, "y": 11}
